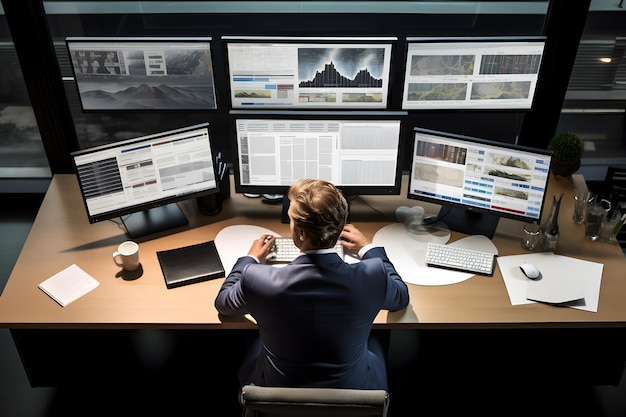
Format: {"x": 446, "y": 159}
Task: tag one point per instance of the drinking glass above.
{"x": 531, "y": 236}
{"x": 581, "y": 198}
{"x": 597, "y": 209}
{"x": 607, "y": 225}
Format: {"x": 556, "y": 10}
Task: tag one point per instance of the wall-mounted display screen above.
{"x": 309, "y": 73}
{"x": 143, "y": 73}
{"x": 471, "y": 73}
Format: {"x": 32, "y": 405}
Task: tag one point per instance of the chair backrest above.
{"x": 615, "y": 189}
{"x": 308, "y": 402}
{"x": 615, "y": 183}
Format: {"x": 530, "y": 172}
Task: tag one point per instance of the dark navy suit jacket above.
{"x": 314, "y": 317}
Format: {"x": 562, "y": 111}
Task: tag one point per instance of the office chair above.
{"x": 615, "y": 186}
{"x": 260, "y": 401}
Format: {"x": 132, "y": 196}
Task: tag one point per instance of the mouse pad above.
{"x": 234, "y": 241}
{"x": 562, "y": 279}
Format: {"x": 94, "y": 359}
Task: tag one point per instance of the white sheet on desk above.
{"x": 572, "y": 276}
{"x": 234, "y": 241}
{"x": 407, "y": 254}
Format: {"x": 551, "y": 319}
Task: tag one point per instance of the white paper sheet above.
{"x": 563, "y": 278}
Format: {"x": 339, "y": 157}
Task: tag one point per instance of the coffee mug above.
{"x": 127, "y": 255}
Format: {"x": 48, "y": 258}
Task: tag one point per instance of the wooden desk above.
{"x": 61, "y": 235}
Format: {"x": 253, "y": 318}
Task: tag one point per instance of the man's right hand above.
{"x": 352, "y": 238}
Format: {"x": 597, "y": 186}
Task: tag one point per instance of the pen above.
{"x": 218, "y": 160}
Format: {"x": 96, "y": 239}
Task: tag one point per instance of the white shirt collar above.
{"x": 320, "y": 251}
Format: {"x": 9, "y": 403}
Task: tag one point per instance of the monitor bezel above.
{"x": 111, "y": 43}
{"x": 348, "y": 41}
{"x": 468, "y": 105}
{"x": 147, "y": 205}
{"x": 394, "y": 189}
{"x": 468, "y": 208}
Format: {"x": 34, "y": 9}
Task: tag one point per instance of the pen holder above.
{"x": 211, "y": 205}
{"x": 224, "y": 193}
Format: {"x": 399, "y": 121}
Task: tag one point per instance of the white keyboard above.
{"x": 461, "y": 259}
{"x": 284, "y": 250}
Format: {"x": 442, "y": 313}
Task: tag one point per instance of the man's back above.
{"x": 315, "y": 314}
{"x": 315, "y": 317}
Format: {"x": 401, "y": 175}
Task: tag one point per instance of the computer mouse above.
{"x": 530, "y": 270}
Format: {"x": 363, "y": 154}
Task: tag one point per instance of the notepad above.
{"x": 190, "y": 264}
{"x": 68, "y": 285}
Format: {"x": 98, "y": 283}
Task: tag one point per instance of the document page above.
{"x": 563, "y": 280}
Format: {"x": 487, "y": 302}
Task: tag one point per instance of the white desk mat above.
{"x": 233, "y": 242}
{"x": 407, "y": 253}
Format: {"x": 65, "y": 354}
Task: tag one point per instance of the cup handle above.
{"x": 115, "y": 255}
{"x": 606, "y": 203}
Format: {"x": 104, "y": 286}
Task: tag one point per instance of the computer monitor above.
{"x": 482, "y": 73}
{"x": 478, "y": 181}
{"x": 309, "y": 72}
{"x": 140, "y": 180}
{"x": 359, "y": 152}
{"x": 149, "y": 73}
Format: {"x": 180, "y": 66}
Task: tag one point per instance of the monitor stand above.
{"x": 284, "y": 217}
{"x": 154, "y": 220}
{"x": 469, "y": 222}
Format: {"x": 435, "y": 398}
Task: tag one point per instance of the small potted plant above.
{"x": 567, "y": 148}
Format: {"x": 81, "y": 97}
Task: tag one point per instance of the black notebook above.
{"x": 190, "y": 264}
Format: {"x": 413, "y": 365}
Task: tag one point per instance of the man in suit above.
{"x": 315, "y": 314}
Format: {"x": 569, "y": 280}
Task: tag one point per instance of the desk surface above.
{"x": 61, "y": 235}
